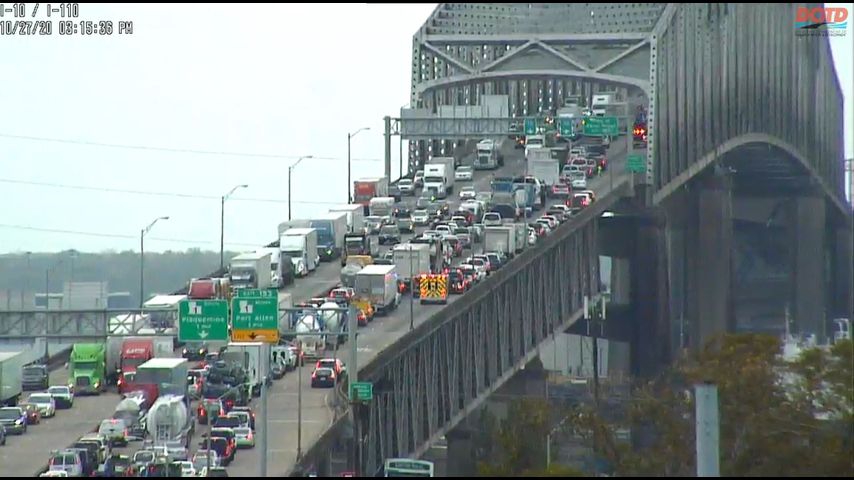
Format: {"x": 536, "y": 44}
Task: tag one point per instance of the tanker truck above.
{"x": 313, "y": 346}
{"x": 333, "y": 322}
{"x": 169, "y": 420}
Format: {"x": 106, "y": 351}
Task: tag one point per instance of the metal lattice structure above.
{"x": 717, "y": 77}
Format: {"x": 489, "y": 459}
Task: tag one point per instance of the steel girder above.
{"x": 73, "y": 324}
{"x": 727, "y": 75}
{"x": 535, "y": 53}
{"x": 441, "y": 372}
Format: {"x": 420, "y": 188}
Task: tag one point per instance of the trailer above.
{"x": 500, "y": 239}
{"x": 378, "y": 284}
{"x": 355, "y": 217}
{"x": 10, "y": 378}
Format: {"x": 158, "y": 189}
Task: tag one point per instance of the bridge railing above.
{"x": 430, "y": 378}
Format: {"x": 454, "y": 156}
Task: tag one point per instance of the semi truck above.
{"x": 169, "y": 374}
{"x": 250, "y": 270}
{"x": 125, "y": 354}
{"x": 169, "y": 420}
{"x": 281, "y": 273}
{"x": 356, "y": 244}
{"x": 365, "y": 189}
{"x": 488, "y": 155}
{"x": 301, "y": 245}
{"x": 542, "y": 166}
{"x": 331, "y": 228}
{"x": 439, "y": 176}
{"x": 287, "y": 225}
{"x": 378, "y": 284}
{"x": 411, "y": 260}
{"x": 10, "y": 378}
{"x": 254, "y": 358}
{"x": 500, "y": 239}
{"x": 87, "y": 368}
{"x": 355, "y": 217}
{"x": 381, "y": 206}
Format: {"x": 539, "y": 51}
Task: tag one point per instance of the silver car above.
{"x": 406, "y": 186}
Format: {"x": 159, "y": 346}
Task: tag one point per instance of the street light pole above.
{"x": 290, "y": 172}
{"x": 222, "y": 223}
{"x": 349, "y": 163}
{"x": 142, "y": 258}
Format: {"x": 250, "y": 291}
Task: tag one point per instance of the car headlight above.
{"x": 19, "y": 422}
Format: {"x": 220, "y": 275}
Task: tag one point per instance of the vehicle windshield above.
{"x": 492, "y": 217}
{"x": 420, "y": 213}
{"x": 405, "y": 181}
{"x": 143, "y": 457}
{"x": 464, "y": 169}
{"x": 33, "y": 371}
{"x": 86, "y": 365}
{"x": 10, "y": 413}
{"x": 391, "y": 229}
{"x": 58, "y": 390}
{"x": 40, "y": 398}
{"x": 323, "y": 371}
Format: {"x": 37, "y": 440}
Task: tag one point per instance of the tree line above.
{"x": 164, "y": 272}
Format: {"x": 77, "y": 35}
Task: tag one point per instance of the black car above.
{"x": 35, "y": 377}
{"x": 389, "y": 234}
{"x": 323, "y": 377}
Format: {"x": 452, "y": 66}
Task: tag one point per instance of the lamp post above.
{"x": 349, "y": 169}
{"x": 142, "y": 257}
{"x": 290, "y": 171}
{"x": 222, "y": 223}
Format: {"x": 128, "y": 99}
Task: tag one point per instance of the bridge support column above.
{"x": 460, "y": 459}
{"x": 808, "y": 258}
{"x": 713, "y": 255}
{"x": 843, "y": 266}
{"x": 621, "y": 281}
{"x": 651, "y": 333}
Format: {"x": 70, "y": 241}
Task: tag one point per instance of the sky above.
{"x": 280, "y": 80}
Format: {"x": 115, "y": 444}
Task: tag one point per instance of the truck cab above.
{"x": 358, "y": 244}
{"x": 86, "y": 368}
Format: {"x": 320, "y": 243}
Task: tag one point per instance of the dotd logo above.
{"x": 822, "y": 19}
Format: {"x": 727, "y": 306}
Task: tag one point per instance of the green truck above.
{"x": 87, "y": 365}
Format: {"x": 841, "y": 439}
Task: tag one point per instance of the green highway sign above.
{"x": 530, "y": 126}
{"x": 636, "y": 163}
{"x": 257, "y": 293}
{"x": 203, "y": 320}
{"x": 566, "y": 127}
{"x": 598, "y": 126}
{"x": 361, "y": 391}
{"x": 255, "y": 317}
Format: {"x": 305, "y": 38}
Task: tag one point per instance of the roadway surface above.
{"x": 379, "y": 334}
{"x": 25, "y": 455}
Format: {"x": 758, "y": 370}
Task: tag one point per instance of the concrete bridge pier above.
{"x": 842, "y": 266}
{"x": 649, "y": 293}
{"x": 807, "y": 238}
{"x": 709, "y": 251}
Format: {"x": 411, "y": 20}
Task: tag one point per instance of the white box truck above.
{"x": 382, "y": 206}
{"x": 255, "y": 359}
{"x": 543, "y": 167}
{"x": 301, "y": 245}
{"x": 289, "y": 224}
{"x": 378, "y": 285}
{"x": 250, "y": 270}
{"x": 411, "y": 260}
{"x": 500, "y": 239}
{"x": 450, "y": 167}
{"x": 331, "y": 228}
{"x": 10, "y": 378}
{"x": 355, "y": 217}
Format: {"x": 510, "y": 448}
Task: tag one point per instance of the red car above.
{"x": 560, "y": 189}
